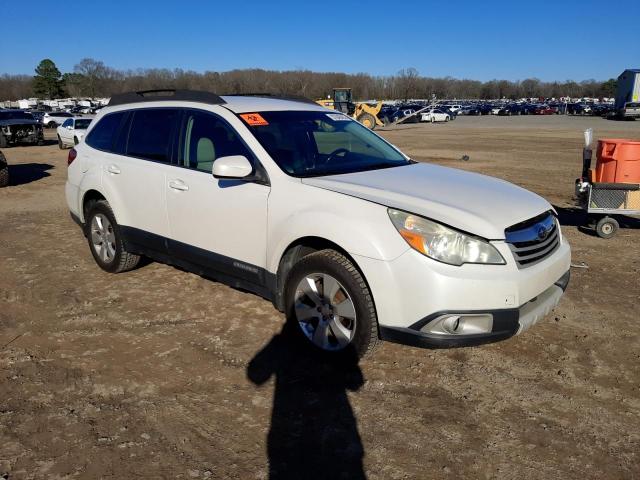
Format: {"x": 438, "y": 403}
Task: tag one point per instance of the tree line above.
{"x": 92, "y": 78}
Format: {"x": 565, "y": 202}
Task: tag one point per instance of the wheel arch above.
{"x": 91, "y": 195}
{"x": 295, "y": 251}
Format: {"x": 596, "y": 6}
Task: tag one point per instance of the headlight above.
{"x": 443, "y": 243}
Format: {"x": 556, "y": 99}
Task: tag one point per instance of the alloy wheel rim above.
{"x": 325, "y": 311}
{"x": 103, "y": 238}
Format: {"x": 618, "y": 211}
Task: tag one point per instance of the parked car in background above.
{"x": 509, "y": 110}
{"x": 55, "y": 119}
{"x": 543, "y": 110}
{"x": 602, "y": 110}
{"x": 37, "y": 114}
{"x": 434, "y": 115}
{"x": 317, "y": 213}
{"x": 17, "y": 126}
{"x": 496, "y": 109}
{"x": 72, "y": 131}
{"x": 4, "y": 171}
{"x": 485, "y": 109}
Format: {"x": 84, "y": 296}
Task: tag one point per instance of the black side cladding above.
{"x": 166, "y": 94}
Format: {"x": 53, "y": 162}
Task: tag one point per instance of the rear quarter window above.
{"x": 103, "y": 134}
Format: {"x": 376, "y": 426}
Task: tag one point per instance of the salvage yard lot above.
{"x": 156, "y": 373}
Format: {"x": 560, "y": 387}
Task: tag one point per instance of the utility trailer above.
{"x": 613, "y": 187}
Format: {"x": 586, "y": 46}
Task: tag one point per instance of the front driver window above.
{"x": 206, "y": 138}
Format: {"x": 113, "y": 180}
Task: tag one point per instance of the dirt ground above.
{"x": 158, "y": 373}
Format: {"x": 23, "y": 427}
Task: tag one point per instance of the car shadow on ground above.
{"x": 577, "y": 217}
{"x": 313, "y": 432}
{"x": 24, "y": 173}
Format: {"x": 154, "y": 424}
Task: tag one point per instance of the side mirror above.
{"x": 233, "y": 166}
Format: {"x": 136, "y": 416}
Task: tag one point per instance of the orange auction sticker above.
{"x": 254, "y": 119}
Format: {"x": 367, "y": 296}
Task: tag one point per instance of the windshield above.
{"x": 82, "y": 124}
{"x": 309, "y": 144}
{"x": 17, "y": 115}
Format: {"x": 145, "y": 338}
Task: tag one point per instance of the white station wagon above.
{"x": 346, "y": 235}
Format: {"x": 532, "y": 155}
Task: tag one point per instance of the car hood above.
{"x": 471, "y": 202}
{"x": 18, "y": 121}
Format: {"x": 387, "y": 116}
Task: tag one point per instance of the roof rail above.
{"x": 294, "y": 98}
{"x": 166, "y": 94}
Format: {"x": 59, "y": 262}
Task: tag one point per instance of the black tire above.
{"x": 3, "y": 141}
{"x": 60, "y": 144}
{"x": 333, "y": 263}
{"x": 75, "y": 140}
{"x": 4, "y": 171}
{"x": 607, "y": 227}
{"x": 122, "y": 260}
{"x": 367, "y": 120}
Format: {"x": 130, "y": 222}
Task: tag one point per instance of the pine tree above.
{"x": 48, "y": 80}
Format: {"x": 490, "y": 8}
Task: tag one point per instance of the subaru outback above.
{"x": 349, "y": 237}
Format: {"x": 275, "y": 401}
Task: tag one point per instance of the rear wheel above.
{"x": 105, "y": 240}
{"x": 51, "y": 124}
{"x": 329, "y": 301}
{"x": 607, "y": 227}
{"x": 3, "y": 141}
{"x": 367, "y": 120}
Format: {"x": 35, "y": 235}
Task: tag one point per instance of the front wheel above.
{"x": 4, "y": 171}
{"x": 367, "y": 120}
{"x": 105, "y": 240}
{"x": 60, "y": 144}
{"x": 331, "y": 304}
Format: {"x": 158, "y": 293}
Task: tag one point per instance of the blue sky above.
{"x": 551, "y": 40}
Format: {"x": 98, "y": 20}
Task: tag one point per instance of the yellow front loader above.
{"x": 362, "y": 112}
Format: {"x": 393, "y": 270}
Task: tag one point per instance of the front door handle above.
{"x": 178, "y": 185}
{"x": 113, "y": 169}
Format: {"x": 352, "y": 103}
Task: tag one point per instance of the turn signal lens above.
{"x": 443, "y": 243}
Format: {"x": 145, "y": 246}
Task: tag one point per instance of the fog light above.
{"x": 460, "y": 324}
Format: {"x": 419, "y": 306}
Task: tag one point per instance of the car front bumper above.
{"x": 412, "y": 291}
{"x": 506, "y": 322}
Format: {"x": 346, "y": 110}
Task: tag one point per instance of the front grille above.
{"x": 533, "y": 240}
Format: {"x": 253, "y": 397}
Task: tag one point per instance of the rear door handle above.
{"x": 113, "y": 169}
{"x": 178, "y": 185}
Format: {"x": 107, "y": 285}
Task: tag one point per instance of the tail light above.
{"x": 72, "y": 156}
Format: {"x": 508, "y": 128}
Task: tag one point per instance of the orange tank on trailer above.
{"x": 618, "y": 161}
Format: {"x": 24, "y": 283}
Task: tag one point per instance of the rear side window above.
{"x": 102, "y": 135}
{"x": 151, "y": 134}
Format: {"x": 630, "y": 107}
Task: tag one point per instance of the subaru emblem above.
{"x": 543, "y": 232}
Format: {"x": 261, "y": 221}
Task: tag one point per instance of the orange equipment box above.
{"x": 618, "y": 161}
